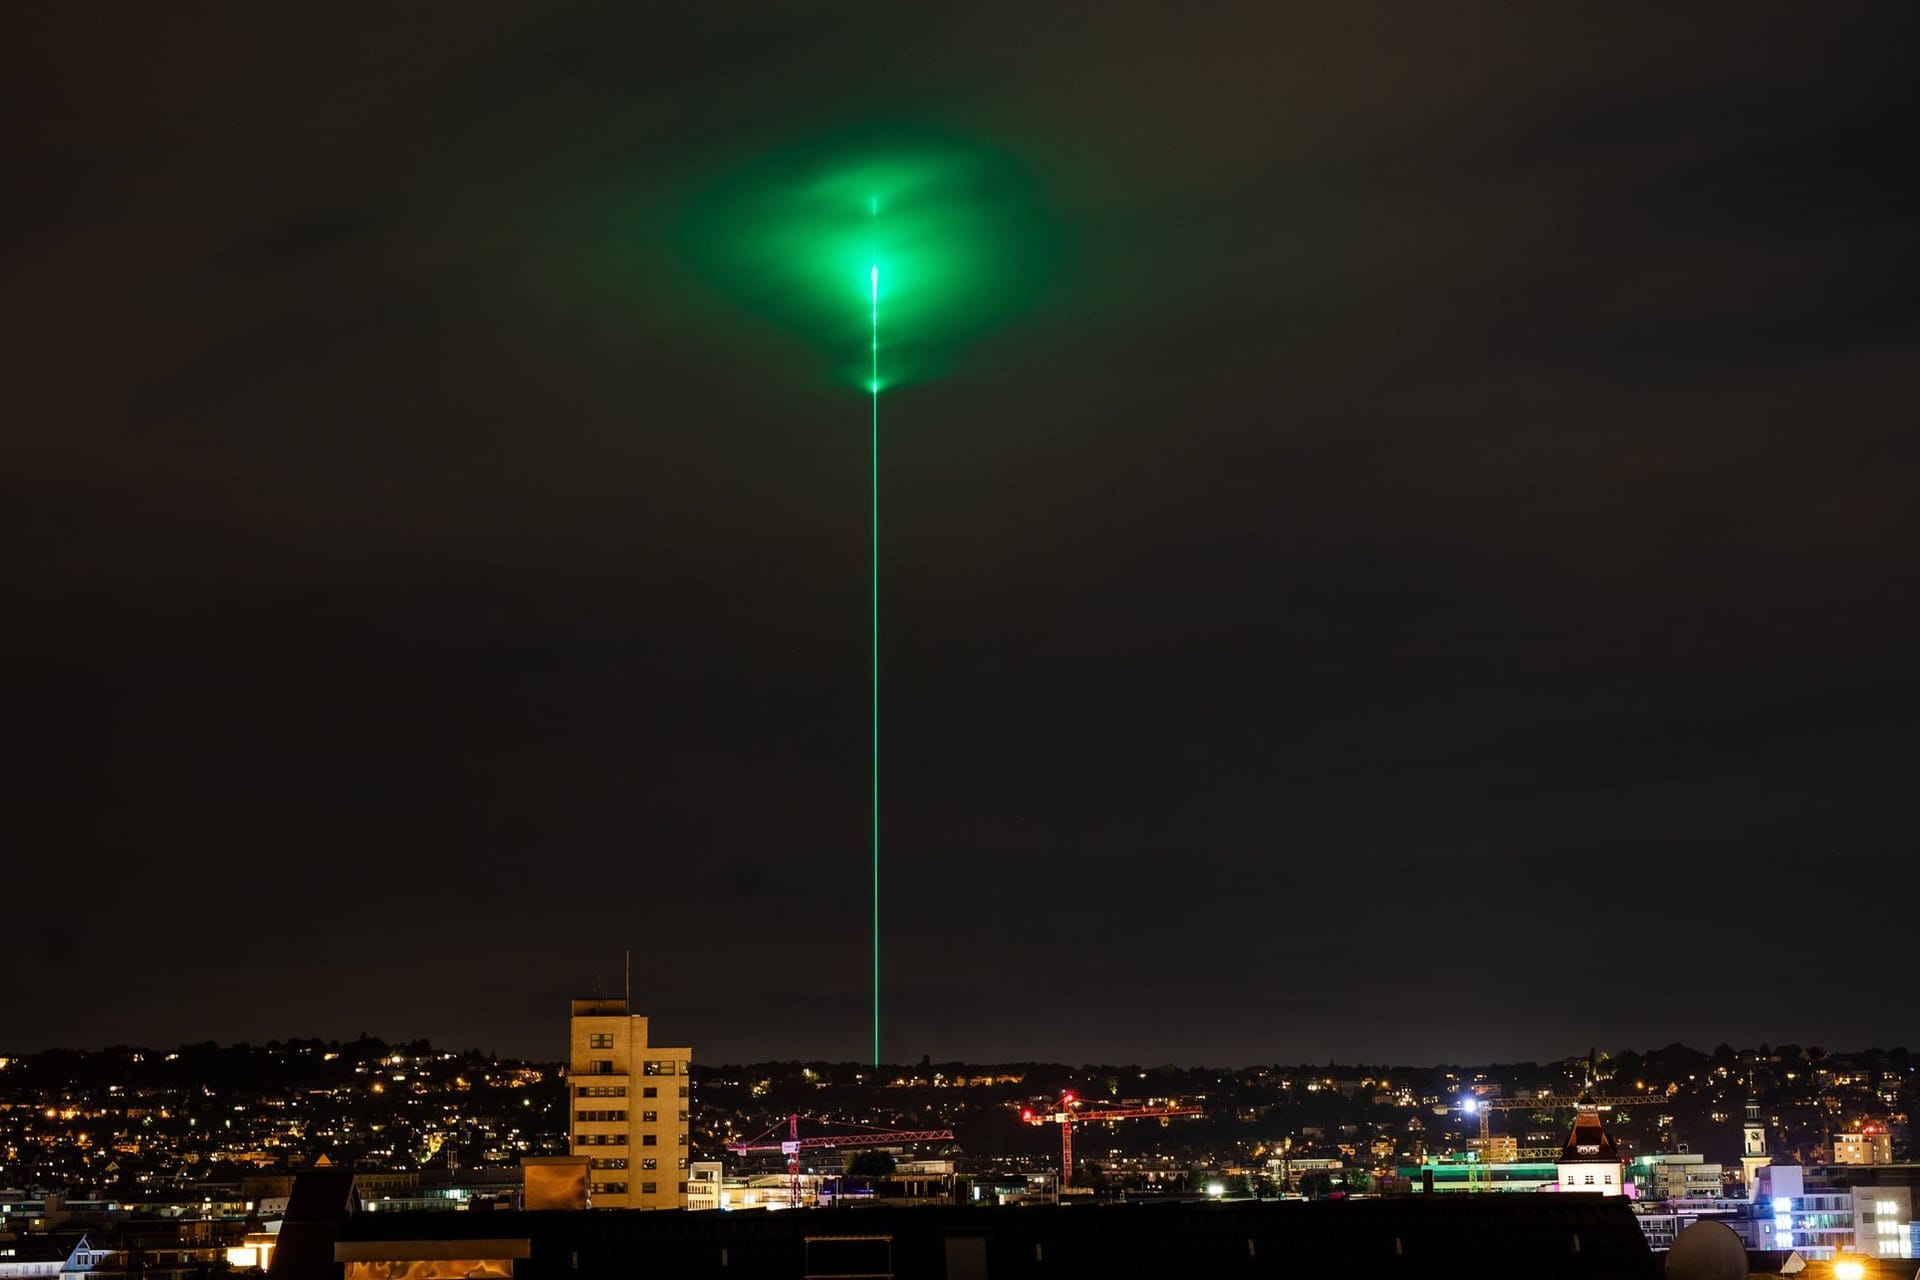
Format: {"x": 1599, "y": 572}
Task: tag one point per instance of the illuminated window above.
{"x": 649, "y": 1117}
{"x": 600, "y": 1040}
{"x": 648, "y": 1164}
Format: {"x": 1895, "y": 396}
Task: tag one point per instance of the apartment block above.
{"x": 629, "y": 1108}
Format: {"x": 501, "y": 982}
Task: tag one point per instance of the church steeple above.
{"x": 1753, "y": 1142}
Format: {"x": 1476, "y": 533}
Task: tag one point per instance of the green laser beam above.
{"x": 965, "y": 247}
{"x": 873, "y": 502}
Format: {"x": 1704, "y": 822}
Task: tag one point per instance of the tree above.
{"x": 1316, "y": 1184}
{"x": 869, "y": 1164}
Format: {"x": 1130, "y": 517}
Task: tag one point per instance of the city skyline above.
{"x": 1423, "y": 574}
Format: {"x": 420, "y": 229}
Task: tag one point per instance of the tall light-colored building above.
{"x": 629, "y": 1108}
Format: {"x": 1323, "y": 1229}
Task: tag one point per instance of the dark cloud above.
{"x": 1460, "y": 471}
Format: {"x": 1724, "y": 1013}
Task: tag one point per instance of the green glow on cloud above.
{"x": 945, "y": 237}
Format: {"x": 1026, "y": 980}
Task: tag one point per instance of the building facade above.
{"x": 1590, "y": 1162}
{"x": 703, "y": 1185}
{"x": 1679, "y": 1176}
{"x": 628, "y": 1108}
{"x": 1871, "y": 1145}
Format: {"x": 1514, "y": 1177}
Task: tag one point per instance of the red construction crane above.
{"x": 1069, "y": 1115}
{"x": 793, "y": 1144}
{"x": 1469, "y": 1104}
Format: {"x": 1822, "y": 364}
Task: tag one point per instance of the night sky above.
{"x": 1428, "y": 574}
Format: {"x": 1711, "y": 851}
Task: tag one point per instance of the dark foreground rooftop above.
{"x": 1507, "y": 1235}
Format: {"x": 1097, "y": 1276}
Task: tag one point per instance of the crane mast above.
{"x": 1071, "y": 1113}
{"x": 793, "y": 1144}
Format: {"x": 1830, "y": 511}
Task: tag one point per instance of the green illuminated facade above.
{"x": 1467, "y": 1174}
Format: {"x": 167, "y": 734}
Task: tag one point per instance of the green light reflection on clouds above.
{"x": 954, "y": 229}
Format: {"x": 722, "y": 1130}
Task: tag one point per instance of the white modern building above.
{"x": 703, "y": 1185}
{"x": 1822, "y": 1222}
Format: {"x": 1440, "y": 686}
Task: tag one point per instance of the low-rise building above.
{"x": 1675, "y": 1176}
{"x": 1872, "y": 1144}
{"x": 1590, "y": 1162}
{"x": 703, "y": 1185}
